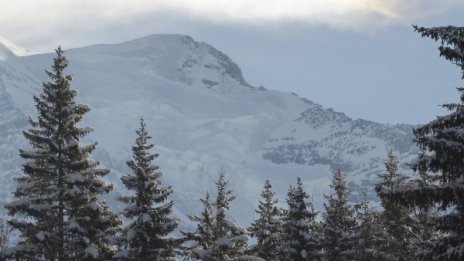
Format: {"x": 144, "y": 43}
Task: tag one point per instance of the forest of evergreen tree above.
{"x": 58, "y": 212}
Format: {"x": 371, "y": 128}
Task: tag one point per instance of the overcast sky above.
{"x": 360, "y": 57}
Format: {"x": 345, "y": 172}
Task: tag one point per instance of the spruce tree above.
{"x": 148, "y": 209}
{"x": 59, "y": 193}
{"x": 370, "y": 237}
{"x": 339, "y": 223}
{"x": 300, "y": 227}
{"x": 423, "y": 227}
{"x": 201, "y": 241}
{"x": 217, "y": 238}
{"x": 267, "y": 228}
{"x": 230, "y": 238}
{"x": 442, "y": 152}
{"x": 395, "y": 216}
{"x": 5, "y": 233}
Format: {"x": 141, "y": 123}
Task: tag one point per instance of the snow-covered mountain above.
{"x": 203, "y": 115}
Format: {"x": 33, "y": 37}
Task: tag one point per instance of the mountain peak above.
{"x": 8, "y": 49}
{"x": 175, "y": 57}
{"x": 153, "y": 38}
{"x": 143, "y": 45}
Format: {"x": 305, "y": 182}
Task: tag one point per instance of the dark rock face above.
{"x": 342, "y": 136}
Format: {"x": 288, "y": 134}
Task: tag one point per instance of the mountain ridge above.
{"x": 9, "y": 49}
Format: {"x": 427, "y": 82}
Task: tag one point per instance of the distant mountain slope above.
{"x": 9, "y": 49}
{"x": 203, "y": 115}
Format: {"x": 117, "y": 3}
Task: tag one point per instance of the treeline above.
{"x": 60, "y": 215}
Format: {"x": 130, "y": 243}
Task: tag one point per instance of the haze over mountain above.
{"x": 203, "y": 115}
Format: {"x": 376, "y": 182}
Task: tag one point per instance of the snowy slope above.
{"x": 9, "y": 49}
{"x": 202, "y": 115}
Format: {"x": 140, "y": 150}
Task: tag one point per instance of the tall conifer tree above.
{"x": 300, "y": 228}
{"x": 395, "y": 216}
{"x": 339, "y": 222}
{"x": 5, "y": 233}
{"x": 217, "y": 237}
{"x": 60, "y": 190}
{"x": 442, "y": 152}
{"x": 231, "y": 239}
{"x": 148, "y": 209}
{"x": 267, "y": 229}
{"x": 202, "y": 240}
{"x": 371, "y": 237}
{"x": 423, "y": 227}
